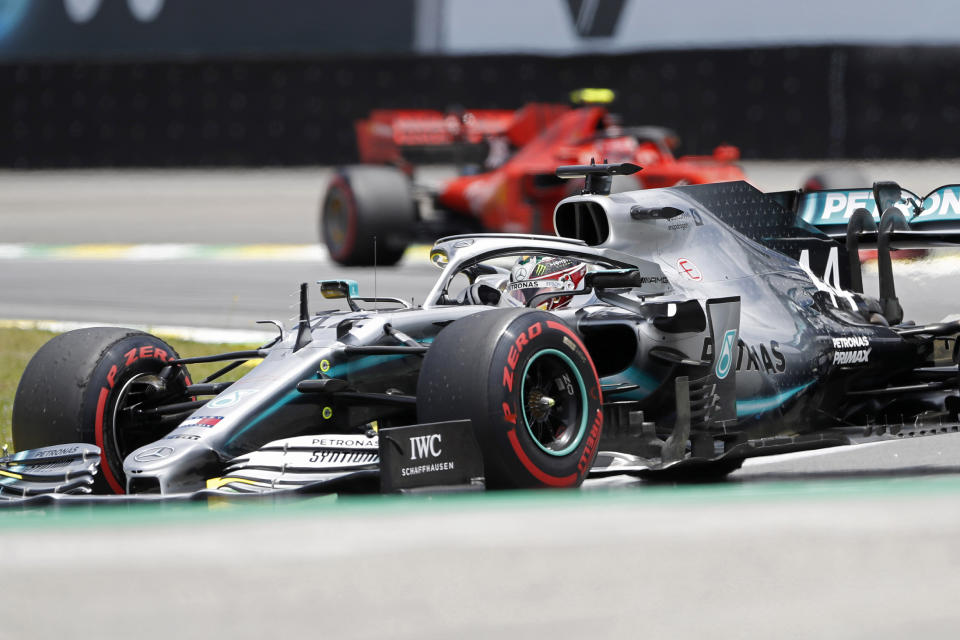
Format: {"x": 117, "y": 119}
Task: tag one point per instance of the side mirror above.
{"x": 333, "y": 289}
{"x": 638, "y": 212}
{"x": 649, "y": 282}
{"x": 613, "y": 279}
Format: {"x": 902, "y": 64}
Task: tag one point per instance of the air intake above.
{"x": 584, "y": 220}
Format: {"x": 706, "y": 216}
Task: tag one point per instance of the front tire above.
{"x": 528, "y": 385}
{"x": 80, "y": 386}
{"x": 363, "y": 202}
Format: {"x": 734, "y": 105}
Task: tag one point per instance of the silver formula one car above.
{"x": 671, "y": 332}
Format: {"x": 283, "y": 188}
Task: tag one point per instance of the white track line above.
{"x": 173, "y": 251}
{"x": 195, "y": 334}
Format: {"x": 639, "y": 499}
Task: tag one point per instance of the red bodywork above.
{"x": 519, "y": 193}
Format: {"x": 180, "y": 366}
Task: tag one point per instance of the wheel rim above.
{"x": 553, "y": 399}
{"x": 336, "y": 220}
{"x": 129, "y": 433}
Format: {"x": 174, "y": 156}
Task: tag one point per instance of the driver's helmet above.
{"x": 533, "y": 275}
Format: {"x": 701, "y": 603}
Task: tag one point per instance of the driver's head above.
{"x": 533, "y": 275}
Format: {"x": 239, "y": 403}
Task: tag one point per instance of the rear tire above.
{"x": 76, "y": 389}
{"x": 528, "y": 385}
{"x": 363, "y": 202}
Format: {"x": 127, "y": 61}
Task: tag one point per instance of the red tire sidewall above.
{"x": 345, "y": 251}
{"x": 124, "y": 359}
{"x": 518, "y": 456}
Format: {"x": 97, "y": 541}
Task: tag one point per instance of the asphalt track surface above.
{"x": 265, "y": 211}
{"x": 851, "y": 543}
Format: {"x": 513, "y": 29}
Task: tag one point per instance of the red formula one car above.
{"x": 371, "y": 212}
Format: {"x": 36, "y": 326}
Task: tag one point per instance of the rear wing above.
{"x": 421, "y": 135}
{"x": 889, "y": 217}
{"x": 823, "y": 230}
{"x": 913, "y": 222}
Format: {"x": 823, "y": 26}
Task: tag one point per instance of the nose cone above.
{"x": 172, "y": 467}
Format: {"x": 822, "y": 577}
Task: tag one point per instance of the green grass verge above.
{"x": 17, "y": 346}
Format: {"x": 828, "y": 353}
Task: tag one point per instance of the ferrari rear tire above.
{"x": 80, "y": 387}
{"x": 362, "y": 203}
{"x": 530, "y": 389}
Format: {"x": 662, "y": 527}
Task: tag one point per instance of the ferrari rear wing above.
{"x": 399, "y": 136}
{"x": 395, "y": 136}
{"x": 908, "y": 220}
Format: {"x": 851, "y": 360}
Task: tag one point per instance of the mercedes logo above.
{"x": 154, "y": 453}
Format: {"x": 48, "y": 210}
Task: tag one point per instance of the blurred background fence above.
{"x": 241, "y": 82}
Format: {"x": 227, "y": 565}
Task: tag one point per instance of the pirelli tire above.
{"x": 364, "y": 202}
{"x": 80, "y": 386}
{"x": 528, "y": 385}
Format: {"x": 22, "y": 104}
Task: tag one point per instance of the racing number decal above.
{"x": 830, "y": 283}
